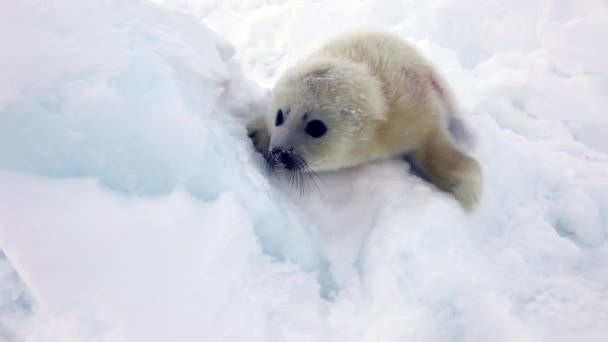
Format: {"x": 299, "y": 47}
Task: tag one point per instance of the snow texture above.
{"x": 133, "y": 207}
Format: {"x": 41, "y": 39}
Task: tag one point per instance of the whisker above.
{"x": 312, "y": 177}
{"x": 312, "y": 174}
{"x": 305, "y": 180}
{"x": 300, "y": 175}
{"x": 291, "y": 179}
{"x": 270, "y": 166}
{"x": 315, "y": 175}
{"x": 301, "y": 183}
{"x": 305, "y": 176}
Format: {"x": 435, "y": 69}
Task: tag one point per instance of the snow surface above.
{"x": 133, "y": 208}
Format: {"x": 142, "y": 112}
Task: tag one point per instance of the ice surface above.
{"x": 133, "y": 208}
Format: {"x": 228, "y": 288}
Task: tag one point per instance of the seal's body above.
{"x": 363, "y": 97}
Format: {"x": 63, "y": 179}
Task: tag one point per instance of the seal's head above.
{"x": 319, "y": 109}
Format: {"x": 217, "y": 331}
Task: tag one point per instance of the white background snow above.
{"x": 133, "y": 208}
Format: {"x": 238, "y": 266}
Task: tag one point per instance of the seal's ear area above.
{"x": 360, "y": 116}
{"x": 319, "y": 74}
{"x": 321, "y": 71}
{"x": 350, "y": 113}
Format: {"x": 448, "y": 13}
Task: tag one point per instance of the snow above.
{"x": 133, "y": 207}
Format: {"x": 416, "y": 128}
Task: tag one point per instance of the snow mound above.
{"x": 146, "y": 103}
{"x": 133, "y": 207}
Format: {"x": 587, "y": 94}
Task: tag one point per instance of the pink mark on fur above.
{"x": 436, "y": 86}
{"x": 419, "y": 83}
{"x": 443, "y": 96}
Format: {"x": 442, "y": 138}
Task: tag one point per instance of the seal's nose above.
{"x": 283, "y": 157}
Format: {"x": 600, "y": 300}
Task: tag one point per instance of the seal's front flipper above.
{"x": 258, "y": 133}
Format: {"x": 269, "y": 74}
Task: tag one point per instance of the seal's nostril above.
{"x": 283, "y": 157}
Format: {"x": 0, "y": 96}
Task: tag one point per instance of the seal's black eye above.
{"x": 279, "y": 119}
{"x": 316, "y": 128}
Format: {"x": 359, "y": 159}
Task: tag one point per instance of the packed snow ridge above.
{"x": 134, "y": 208}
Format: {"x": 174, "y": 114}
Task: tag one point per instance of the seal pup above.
{"x": 363, "y": 97}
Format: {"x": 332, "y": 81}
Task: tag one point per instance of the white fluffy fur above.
{"x": 379, "y": 99}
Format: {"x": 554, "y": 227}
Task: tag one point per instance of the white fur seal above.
{"x": 362, "y": 97}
